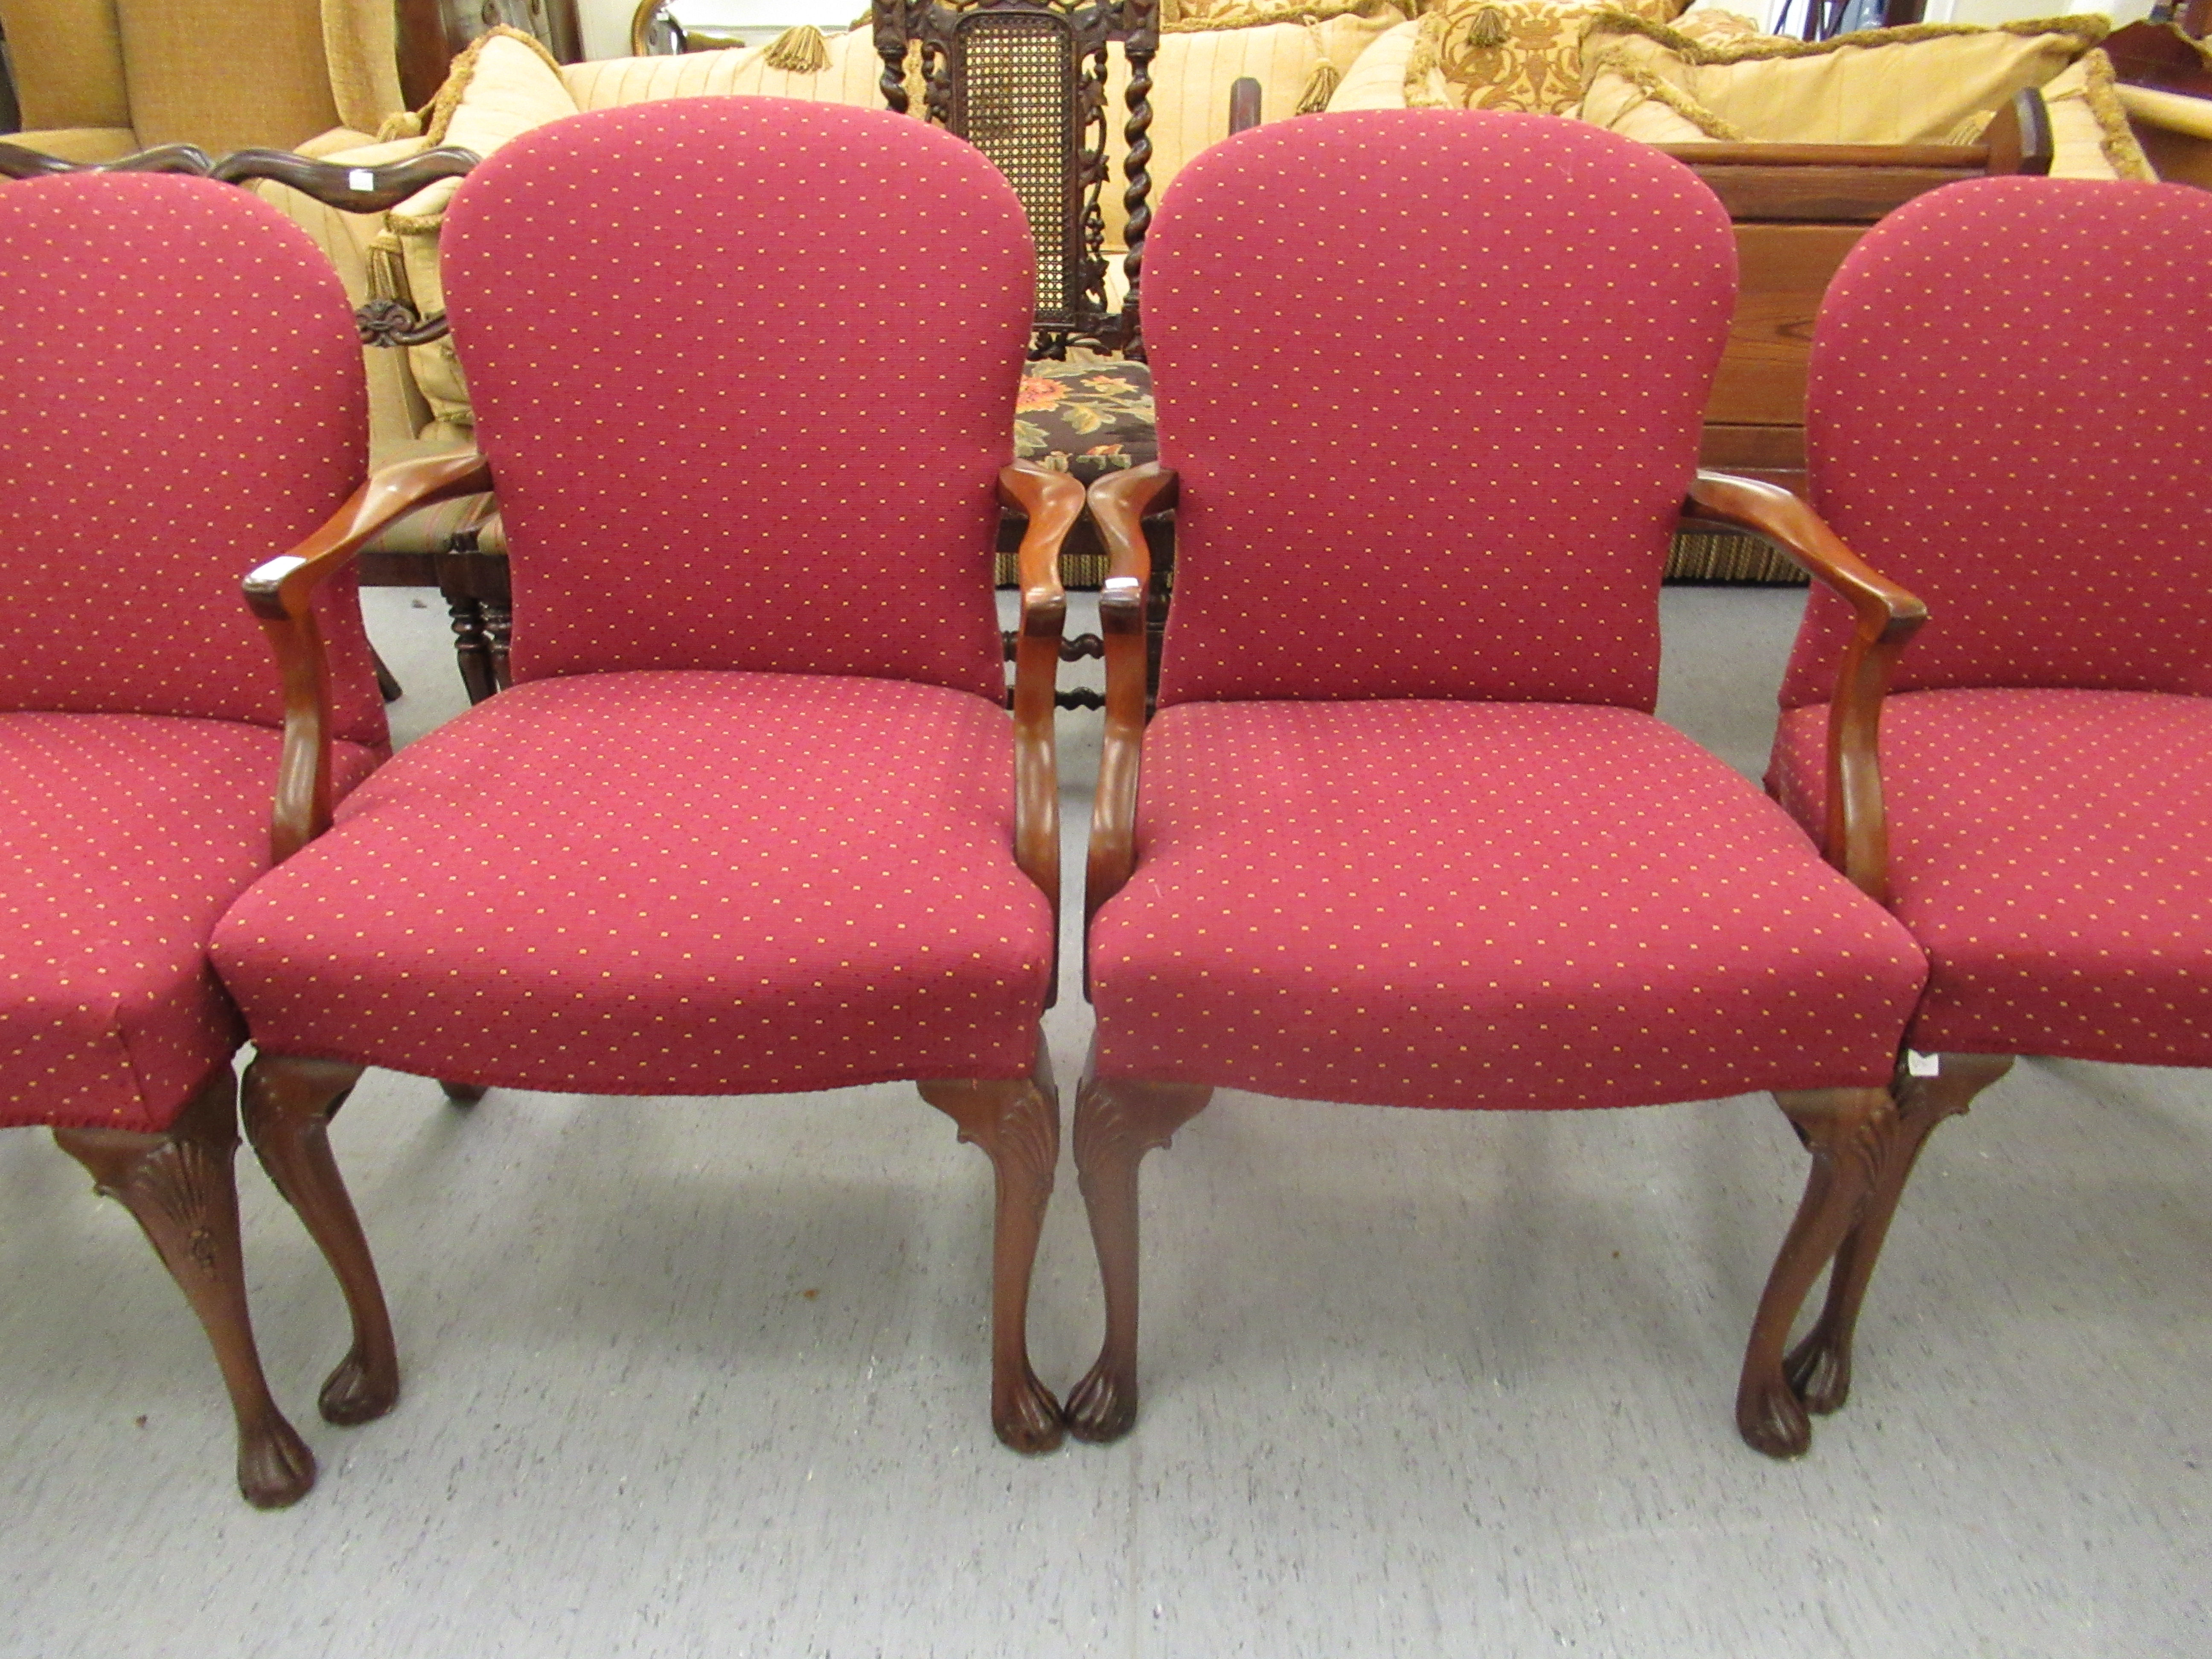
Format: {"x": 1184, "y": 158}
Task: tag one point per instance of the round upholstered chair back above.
{"x": 744, "y": 369}
{"x": 1432, "y": 382}
{"x": 180, "y": 399}
{"x": 2010, "y": 412}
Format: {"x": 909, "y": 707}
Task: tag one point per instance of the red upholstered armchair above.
{"x": 753, "y": 816}
{"x": 1428, "y": 846}
{"x": 181, "y": 395}
{"x": 2008, "y": 411}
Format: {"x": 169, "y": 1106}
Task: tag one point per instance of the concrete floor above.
{"x": 708, "y": 1378}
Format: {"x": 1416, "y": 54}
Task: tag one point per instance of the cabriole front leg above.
{"x": 1117, "y": 1121}
{"x": 1820, "y": 1367}
{"x": 289, "y": 1106}
{"x": 1844, "y": 1130}
{"x": 180, "y": 1188}
{"x": 1016, "y": 1121}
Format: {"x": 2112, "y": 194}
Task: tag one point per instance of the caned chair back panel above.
{"x": 1456, "y": 474}
{"x": 742, "y": 369}
{"x": 2009, "y": 411}
{"x": 1014, "y": 80}
{"x": 180, "y": 400}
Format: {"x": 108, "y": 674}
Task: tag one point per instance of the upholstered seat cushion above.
{"x": 1493, "y": 904}
{"x": 666, "y": 883}
{"x": 123, "y": 837}
{"x": 2049, "y": 849}
{"x": 1086, "y": 417}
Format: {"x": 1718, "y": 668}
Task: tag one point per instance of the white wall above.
{"x": 2007, "y": 11}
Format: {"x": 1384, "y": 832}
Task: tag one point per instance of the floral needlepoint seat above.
{"x": 1086, "y": 417}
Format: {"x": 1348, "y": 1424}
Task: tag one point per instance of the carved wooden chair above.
{"x": 1024, "y": 81}
{"x": 2036, "y": 468}
{"x": 751, "y": 819}
{"x": 182, "y": 394}
{"x": 1429, "y": 846}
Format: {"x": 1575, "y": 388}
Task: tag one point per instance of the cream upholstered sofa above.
{"x": 99, "y": 79}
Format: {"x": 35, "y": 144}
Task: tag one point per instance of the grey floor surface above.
{"x": 708, "y": 1378}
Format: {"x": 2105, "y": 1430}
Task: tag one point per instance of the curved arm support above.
{"x": 1858, "y": 834}
{"x": 281, "y": 593}
{"x": 190, "y": 160}
{"x": 1119, "y": 502}
{"x": 1052, "y": 503}
{"x": 350, "y": 189}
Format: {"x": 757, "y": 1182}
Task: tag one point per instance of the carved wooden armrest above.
{"x": 1052, "y": 503}
{"x": 1119, "y": 502}
{"x": 1857, "y": 834}
{"x": 350, "y": 189}
{"x": 281, "y": 592}
{"x": 353, "y": 190}
{"x": 17, "y": 162}
{"x": 380, "y": 322}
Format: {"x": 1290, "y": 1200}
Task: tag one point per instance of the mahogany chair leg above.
{"x": 1117, "y": 1121}
{"x": 289, "y": 1106}
{"x": 472, "y": 645}
{"x": 387, "y": 682}
{"x": 1820, "y": 1367}
{"x": 463, "y": 1094}
{"x": 1015, "y": 1121}
{"x": 180, "y": 1189}
{"x": 1844, "y": 1129}
{"x": 499, "y": 631}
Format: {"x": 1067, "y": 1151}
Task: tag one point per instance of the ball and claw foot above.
{"x": 1031, "y": 1421}
{"x": 355, "y": 1394}
{"x": 275, "y": 1469}
{"x": 1102, "y": 1408}
{"x": 1772, "y": 1419}
{"x": 1820, "y": 1372}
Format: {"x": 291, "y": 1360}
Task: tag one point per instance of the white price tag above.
{"x": 1919, "y": 1065}
{"x": 361, "y": 178}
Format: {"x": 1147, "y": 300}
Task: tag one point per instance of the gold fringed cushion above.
{"x": 1919, "y": 84}
{"x": 799, "y": 50}
{"x": 1508, "y": 54}
{"x": 2090, "y": 135}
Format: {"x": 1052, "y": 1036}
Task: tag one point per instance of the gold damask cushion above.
{"x": 1923, "y": 83}
{"x": 1508, "y": 54}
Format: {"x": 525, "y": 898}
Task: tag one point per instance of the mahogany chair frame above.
{"x": 290, "y": 1100}
{"x": 178, "y": 1184}
{"x": 1852, "y": 1133}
